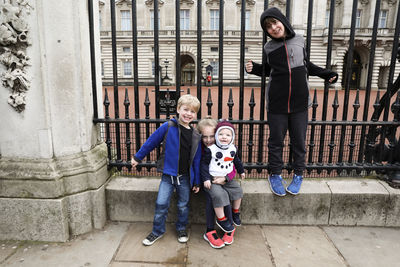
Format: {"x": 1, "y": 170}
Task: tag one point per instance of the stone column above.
{"x": 53, "y": 165}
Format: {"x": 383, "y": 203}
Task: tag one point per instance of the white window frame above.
{"x": 358, "y": 18}
{"x": 127, "y": 68}
{"x": 383, "y": 16}
{"x": 152, "y": 20}
{"x": 247, "y": 20}
{"x": 126, "y": 23}
{"x": 185, "y": 19}
{"x": 215, "y": 65}
{"x": 327, "y": 16}
{"x": 214, "y": 19}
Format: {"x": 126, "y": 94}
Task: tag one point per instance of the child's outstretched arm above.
{"x": 152, "y": 142}
{"x": 314, "y": 70}
{"x": 257, "y": 69}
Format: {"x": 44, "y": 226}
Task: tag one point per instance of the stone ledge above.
{"x": 344, "y": 201}
{"x": 54, "y": 220}
{"x": 53, "y": 178}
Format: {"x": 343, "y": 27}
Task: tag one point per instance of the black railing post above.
{"x": 209, "y": 102}
{"x": 347, "y": 80}
{"x": 93, "y": 59}
{"x": 262, "y": 102}
{"x": 241, "y": 69}
{"x": 230, "y": 105}
{"x": 135, "y": 74}
{"x": 326, "y": 86}
{"x": 127, "y": 128}
{"x": 156, "y": 60}
{"x": 332, "y": 144}
{"x": 177, "y": 50}
{"x": 106, "y": 104}
{"x": 115, "y": 80}
{"x": 250, "y": 143}
{"x": 199, "y": 65}
{"x": 312, "y": 135}
{"x": 369, "y": 81}
{"x": 220, "y": 58}
{"x": 352, "y": 145}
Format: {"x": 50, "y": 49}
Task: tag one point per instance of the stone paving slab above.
{"x": 301, "y": 246}
{"x": 248, "y": 249}
{"x": 367, "y": 246}
{"x": 166, "y": 250}
{"x": 93, "y": 249}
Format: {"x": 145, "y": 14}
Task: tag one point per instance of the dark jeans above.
{"x": 279, "y": 124}
{"x": 168, "y": 185}
{"x": 210, "y": 213}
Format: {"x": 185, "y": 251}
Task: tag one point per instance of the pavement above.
{"x": 118, "y": 244}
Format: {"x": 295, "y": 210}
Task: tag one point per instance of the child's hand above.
{"x": 249, "y": 66}
{"x": 196, "y": 189}
{"x": 134, "y": 162}
{"x": 207, "y": 184}
{"x": 243, "y": 175}
{"x": 219, "y": 180}
{"x": 334, "y": 78}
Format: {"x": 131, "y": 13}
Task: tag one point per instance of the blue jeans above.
{"x": 167, "y": 186}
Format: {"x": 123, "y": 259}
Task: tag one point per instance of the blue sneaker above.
{"x": 225, "y": 225}
{"x": 295, "y": 185}
{"x": 275, "y": 182}
{"x": 236, "y": 218}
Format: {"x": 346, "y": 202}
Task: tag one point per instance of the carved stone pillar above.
{"x": 52, "y": 161}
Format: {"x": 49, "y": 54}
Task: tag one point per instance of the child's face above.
{"x": 225, "y": 136}
{"x": 186, "y": 114}
{"x": 275, "y": 28}
{"x": 208, "y": 136}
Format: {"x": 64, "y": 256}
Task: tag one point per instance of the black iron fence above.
{"x": 336, "y": 145}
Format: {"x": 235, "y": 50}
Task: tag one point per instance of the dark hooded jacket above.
{"x": 287, "y": 66}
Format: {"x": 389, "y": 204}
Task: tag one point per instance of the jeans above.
{"x": 167, "y": 186}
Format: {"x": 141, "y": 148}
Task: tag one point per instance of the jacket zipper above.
{"x": 290, "y": 77}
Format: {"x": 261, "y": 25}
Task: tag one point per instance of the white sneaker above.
{"x": 183, "y": 236}
{"x": 150, "y": 239}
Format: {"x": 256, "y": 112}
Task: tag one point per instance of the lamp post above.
{"x": 166, "y": 62}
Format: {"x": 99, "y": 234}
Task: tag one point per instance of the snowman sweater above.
{"x": 219, "y": 162}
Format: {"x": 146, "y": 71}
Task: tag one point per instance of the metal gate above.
{"x": 335, "y": 146}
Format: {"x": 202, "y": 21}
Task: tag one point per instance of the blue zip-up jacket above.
{"x": 168, "y": 163}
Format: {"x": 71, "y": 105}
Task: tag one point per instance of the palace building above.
{"x": 231, "y": 37}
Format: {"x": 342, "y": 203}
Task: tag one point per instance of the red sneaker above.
{"x": 213, "y": 239}
{"x": 228, "y": 237}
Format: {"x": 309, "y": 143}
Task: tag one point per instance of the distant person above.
{"x": 217, "y": 161}
{"x": 179, "y": 164}
{"x": 287, "y": 96}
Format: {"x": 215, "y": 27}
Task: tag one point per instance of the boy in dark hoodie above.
{"x": 287, "y": 95}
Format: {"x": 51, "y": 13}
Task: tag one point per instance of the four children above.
{"x": 182, "y": 164}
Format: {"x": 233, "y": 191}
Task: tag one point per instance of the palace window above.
{"x": 185, "y": 20}
{"x": 127, "y": 68}
{"x": 126, "y": 20}
{"x": 152, "y": 20}
{"x": 214, "y": 19}
{"x": 358, "y": 18}
{"x": 382, "y": 19}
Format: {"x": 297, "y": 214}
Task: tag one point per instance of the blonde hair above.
{"x": 190, "y": 101}
{"x": 206, "y": 122}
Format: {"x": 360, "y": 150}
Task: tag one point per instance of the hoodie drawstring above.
{"x": 177, "y": 179}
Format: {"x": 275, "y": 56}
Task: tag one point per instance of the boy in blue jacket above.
{"x": 179, "y": 164}
{"x": 287, "y": 95}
